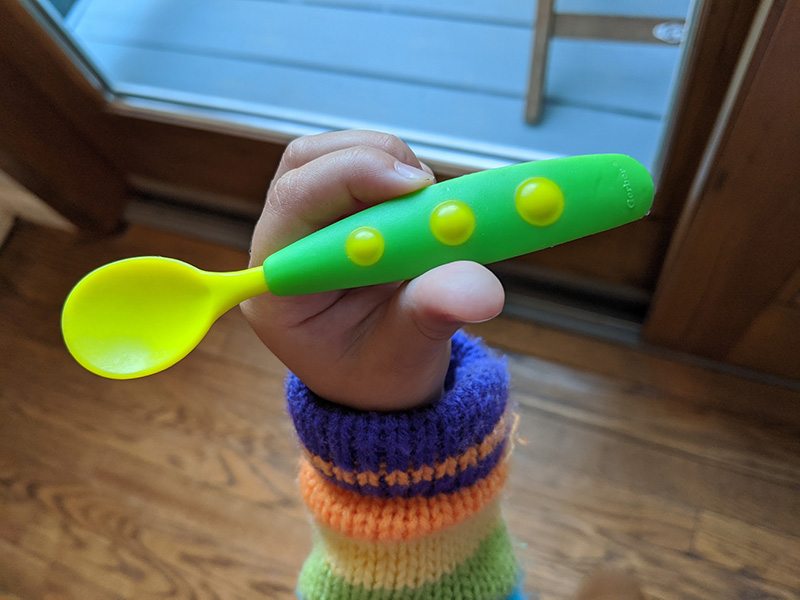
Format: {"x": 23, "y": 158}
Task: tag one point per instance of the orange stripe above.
{"x": 393, "y": 519}
{"x": 449, "y": 467}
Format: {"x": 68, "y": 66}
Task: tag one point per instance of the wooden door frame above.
{"x": 738, "y": 240}
{"x": 228, "y": 163}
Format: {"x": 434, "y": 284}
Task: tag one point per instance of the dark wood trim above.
{"x": 47, "y": 154}
{"x": 632, "y": 256}
{"x": 197, "y": 161}
{"x": 720, "y": 28}
{"x": 54, "y": 140}
{"x": 737, "y": 243}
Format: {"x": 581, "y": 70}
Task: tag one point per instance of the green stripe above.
{"x": 490, "y": 573}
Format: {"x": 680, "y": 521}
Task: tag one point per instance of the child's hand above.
{"x": 385, "y": 347}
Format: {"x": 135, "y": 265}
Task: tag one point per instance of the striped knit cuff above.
{"x": 405, "y": 504}
{"x": 438, "y": 448}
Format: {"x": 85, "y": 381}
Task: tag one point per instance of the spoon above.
{"x": 139, "y": 316}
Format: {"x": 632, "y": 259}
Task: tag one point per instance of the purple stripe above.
{"x": 443, "y": 485}
{"x": 474, "y": 401}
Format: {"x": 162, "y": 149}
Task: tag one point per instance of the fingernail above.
{"x": 411, "y": 173}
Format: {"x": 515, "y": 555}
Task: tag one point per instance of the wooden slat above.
{"x": 625, "y": 28}
{"x": 511, "y": 11}
{"x": 488, "y": 124}
{"x": 673, "y": 9}
{"x": 471, "y": 56}
{"x": 539, "y": 61}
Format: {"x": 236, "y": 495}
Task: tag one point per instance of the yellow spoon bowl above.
{"x": 138, "y": 316}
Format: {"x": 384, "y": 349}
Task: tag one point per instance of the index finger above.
{"x": 326, "y": 189}
{"x": 306, "y": 149}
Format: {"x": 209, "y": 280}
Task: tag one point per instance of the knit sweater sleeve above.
{"x": 404, "y": 505}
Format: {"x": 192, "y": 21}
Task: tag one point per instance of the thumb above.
{"x": 424, "y": 315}
{"x": 407, "y": 352}
{"x": 439, "y": 302}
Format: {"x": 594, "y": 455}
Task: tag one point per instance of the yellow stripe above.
{"x": 449, "y": 467}
{"x": 410, "y": 564}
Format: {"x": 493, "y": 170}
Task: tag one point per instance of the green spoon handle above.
{"x": 483, "y": 217}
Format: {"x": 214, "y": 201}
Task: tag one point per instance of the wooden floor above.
{"x": 182, "y": 485}
{"x": 450, "y": 74}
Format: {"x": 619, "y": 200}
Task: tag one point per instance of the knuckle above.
{"x": 432, "y": 333}
{"x": 286, "y": 190}
{"x": 392, "y": 144}
{"x": 360, "y": 161}
{"x": 365, "y": 154}
{"x": 295, "y": 152}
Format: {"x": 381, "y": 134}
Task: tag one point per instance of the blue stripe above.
{"x": 517, "y": 594}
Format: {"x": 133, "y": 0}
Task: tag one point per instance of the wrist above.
{"x": 373, "y": 387}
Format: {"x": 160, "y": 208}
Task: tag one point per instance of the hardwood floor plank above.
{"x": 138, "y": 514}
{"x": 247, "y": 458}
{"x": 183, "y": 485}
{"x": 646, "y": 414}
{"x": 249, "y": 452}
{"x": 767, "y": 555}
{"x": 32, "y": 577}
{"x": 602, "y": 506}
{"x": 773, "y": 405}
{"x": 127, "y": 551}
{"x": 665, "y": 574}
{"x": 641, "y": 467}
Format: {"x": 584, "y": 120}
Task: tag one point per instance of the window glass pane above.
{"x": 449, "y": 74}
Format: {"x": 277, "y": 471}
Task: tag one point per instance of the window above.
{"x": 451, "y": 77}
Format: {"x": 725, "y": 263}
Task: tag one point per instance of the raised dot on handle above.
{"x": 539, "y": 201}
{"x": 452, "y": 222}
{"x": 364, "y": 246}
